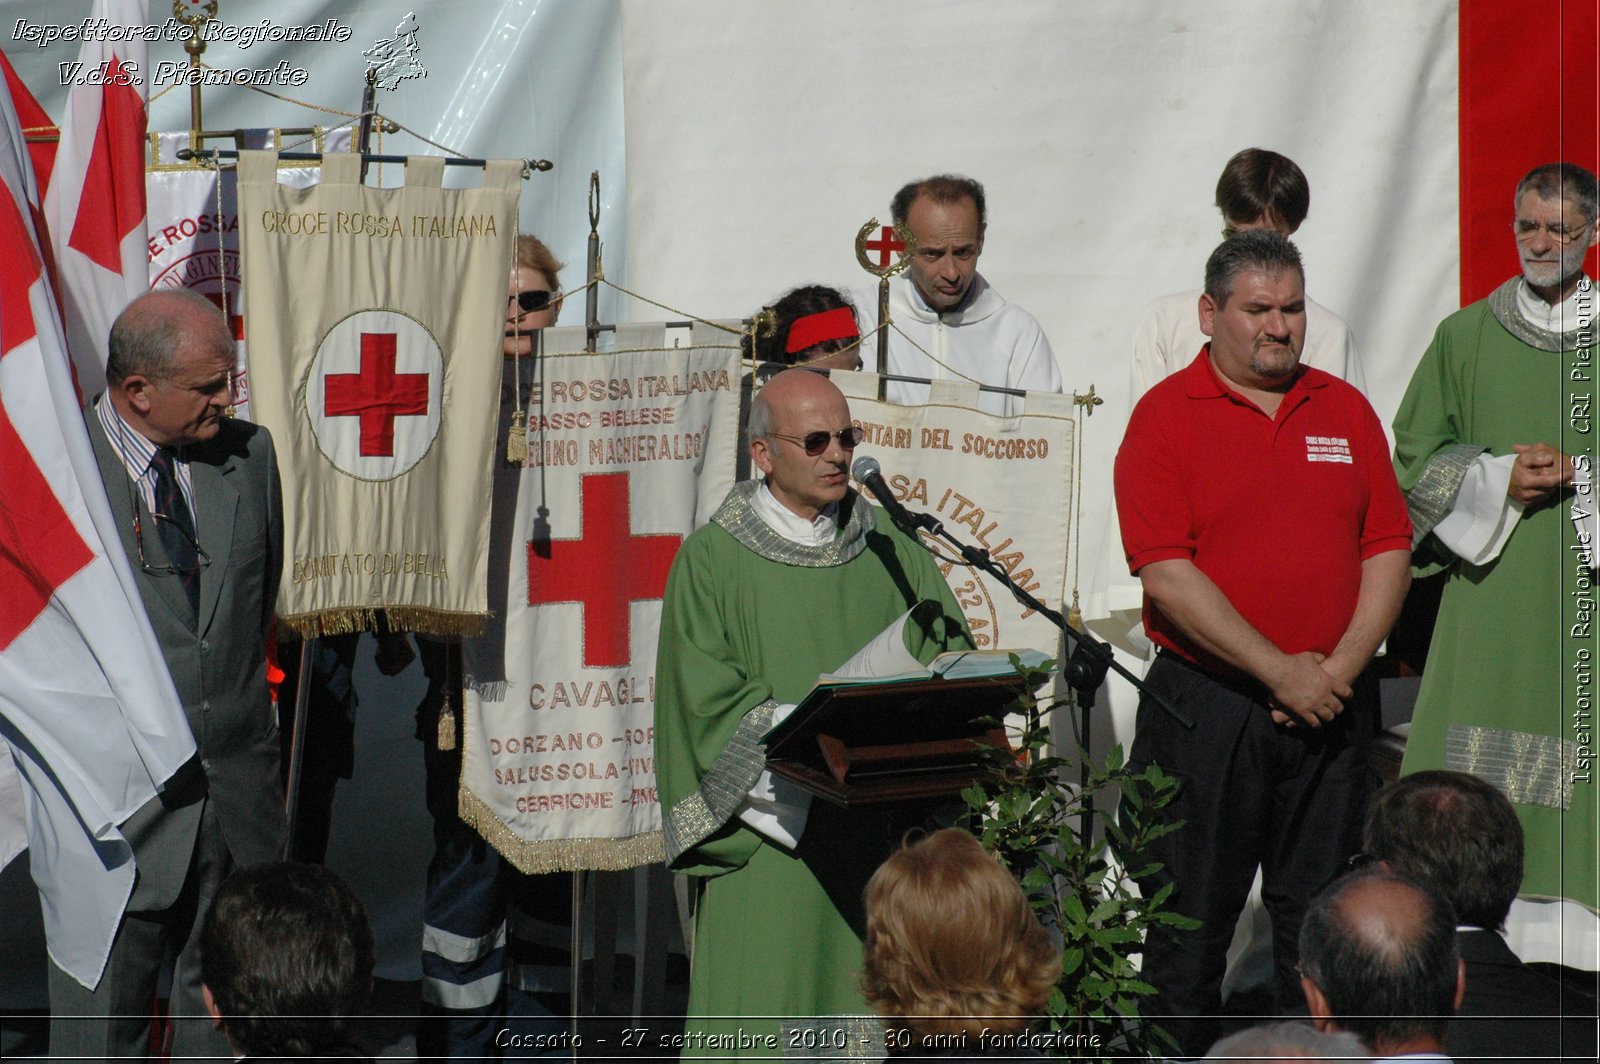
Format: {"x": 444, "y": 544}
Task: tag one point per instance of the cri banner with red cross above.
{"x": 375, "y": 353}
{"x": 1003, "y": 484}
{"x": 628, "y": 452}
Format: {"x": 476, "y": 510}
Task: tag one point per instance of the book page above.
{"x": 884, "y": 657}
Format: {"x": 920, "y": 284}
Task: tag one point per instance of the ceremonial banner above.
{"x": 95, "y": 203}
{"x": 628, "y": 453}
{"x": 194, "y": 226}
{"x": 90, "y": 726}
{"x": 375, "y": 342}
{"x": 1003, "y": 484}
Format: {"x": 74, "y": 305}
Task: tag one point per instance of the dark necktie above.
{"x": 176, "y": 526}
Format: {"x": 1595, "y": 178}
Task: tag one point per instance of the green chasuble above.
{"x": 1508, "y": 692}
{"x": 749, "y": 621}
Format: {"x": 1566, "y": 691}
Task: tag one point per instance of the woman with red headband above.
{"x": 813, "y": 326}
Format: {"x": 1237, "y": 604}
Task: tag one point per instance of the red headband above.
{"x": 814, "y": 329}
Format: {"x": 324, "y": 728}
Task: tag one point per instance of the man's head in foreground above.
{"x": 1455, "y": 833}
{"x": 1378, "y": 959}
{"x": 285, "y": 958}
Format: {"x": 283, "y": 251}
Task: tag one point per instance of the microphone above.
{"x": 870, "y": 474}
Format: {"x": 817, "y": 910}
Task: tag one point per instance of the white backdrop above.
{"x": 761, "y": 136}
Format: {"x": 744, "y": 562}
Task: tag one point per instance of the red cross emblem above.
{"x": 377, "y": 395}
{"x": 606, "y": 568}
{"x": 887, "y": 245}
{"x": 373, "y": 395}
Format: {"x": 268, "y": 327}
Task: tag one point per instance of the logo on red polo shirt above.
{"x": 1328, "y": 449}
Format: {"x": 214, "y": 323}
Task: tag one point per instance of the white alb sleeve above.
{"x": 774, "y": 806}
{"x": 1483, "y": 516}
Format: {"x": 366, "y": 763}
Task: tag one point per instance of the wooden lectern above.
{"x": 877, "y": 743}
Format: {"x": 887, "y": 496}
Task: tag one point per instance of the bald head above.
{"x": 791, "y": 406}
{"x": 1378, "y": 952}
{"x": 147, "y": 335}
{"x": 784, "y": 391}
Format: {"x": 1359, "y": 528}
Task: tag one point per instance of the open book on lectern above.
{"x": 884, "y": 728}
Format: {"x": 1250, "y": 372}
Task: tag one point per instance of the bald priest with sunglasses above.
{"x": 794, "y": 574}
{"x": 197, "y": 502}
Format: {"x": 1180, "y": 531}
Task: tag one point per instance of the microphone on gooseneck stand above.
{"x": 870, "y": 474}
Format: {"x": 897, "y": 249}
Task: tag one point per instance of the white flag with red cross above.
{"x": 90, "y": 726}
{"x": 375, "y": 336}
{"x": 95, "y": 205}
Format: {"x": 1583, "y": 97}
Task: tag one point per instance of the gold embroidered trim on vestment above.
{"x": 1503, "y": 305}
{"x": 1430, "y": 501}
{"x": 833, "y": 1038}
{"x": 737, "y": 516}
{"x": 1530, "y": 769}
{"x": 723, "y": 788}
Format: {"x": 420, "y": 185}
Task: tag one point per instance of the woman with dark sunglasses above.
{"x": 534, "y": 300}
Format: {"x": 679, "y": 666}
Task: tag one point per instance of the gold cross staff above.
{"x": 892, "y": 239}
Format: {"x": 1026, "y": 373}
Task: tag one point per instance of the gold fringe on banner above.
{"x": 399, "y": 619}
{"x": 532, "y": 857}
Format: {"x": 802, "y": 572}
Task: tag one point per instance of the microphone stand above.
{"x": 1088, "y": 658}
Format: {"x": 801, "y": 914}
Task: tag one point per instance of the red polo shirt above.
{"x": 1279, "y": 511}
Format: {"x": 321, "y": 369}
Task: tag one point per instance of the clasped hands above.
{"x": 1305, "y": 689}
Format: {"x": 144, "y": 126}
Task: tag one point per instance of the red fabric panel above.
{"x": 1529, "y": 94}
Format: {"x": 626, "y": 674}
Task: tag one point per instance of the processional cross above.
{"x": 891, "y": 240}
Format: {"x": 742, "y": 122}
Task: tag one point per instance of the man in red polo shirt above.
{"x": 1261, "y": 514}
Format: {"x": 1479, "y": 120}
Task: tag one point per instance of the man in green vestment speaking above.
{"x": 1495, "y": 447}
{"x": 792, "y": 576}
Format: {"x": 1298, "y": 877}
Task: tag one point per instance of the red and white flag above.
{"x": 95, "y": 205}
{"x": 90, "y": 726}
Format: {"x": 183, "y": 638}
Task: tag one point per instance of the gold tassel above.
{"x": 517, "y": 440}
{"x": 446, "y": 739}
{"x": 1074, "y": 614}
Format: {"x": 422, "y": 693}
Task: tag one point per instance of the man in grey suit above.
{"x": 199, "y": 510}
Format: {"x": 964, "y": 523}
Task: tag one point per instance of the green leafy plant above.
{"x": 1028, "y": 814}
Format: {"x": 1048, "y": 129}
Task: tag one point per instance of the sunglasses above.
{"x": 817, "y": 442}
{"x": 534, "y": 299}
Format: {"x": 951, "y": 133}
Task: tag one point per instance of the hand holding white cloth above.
{"x": 777, "y": 807}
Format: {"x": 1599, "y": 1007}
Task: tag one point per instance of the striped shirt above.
{"x": 135, "y": 452}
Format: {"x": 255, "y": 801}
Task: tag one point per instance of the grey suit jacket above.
{"x": 218, "y": 666}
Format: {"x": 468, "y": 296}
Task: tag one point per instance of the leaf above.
{"x": 1104, "y": 911}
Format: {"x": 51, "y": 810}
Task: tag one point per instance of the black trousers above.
{"x": 1253, "y": 794}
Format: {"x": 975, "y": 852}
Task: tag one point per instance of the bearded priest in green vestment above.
{"x": 792, "y": 576}
{"x": 1495, "y": 446}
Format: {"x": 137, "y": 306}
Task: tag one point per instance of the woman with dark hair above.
{"x": 812, "y": 326}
